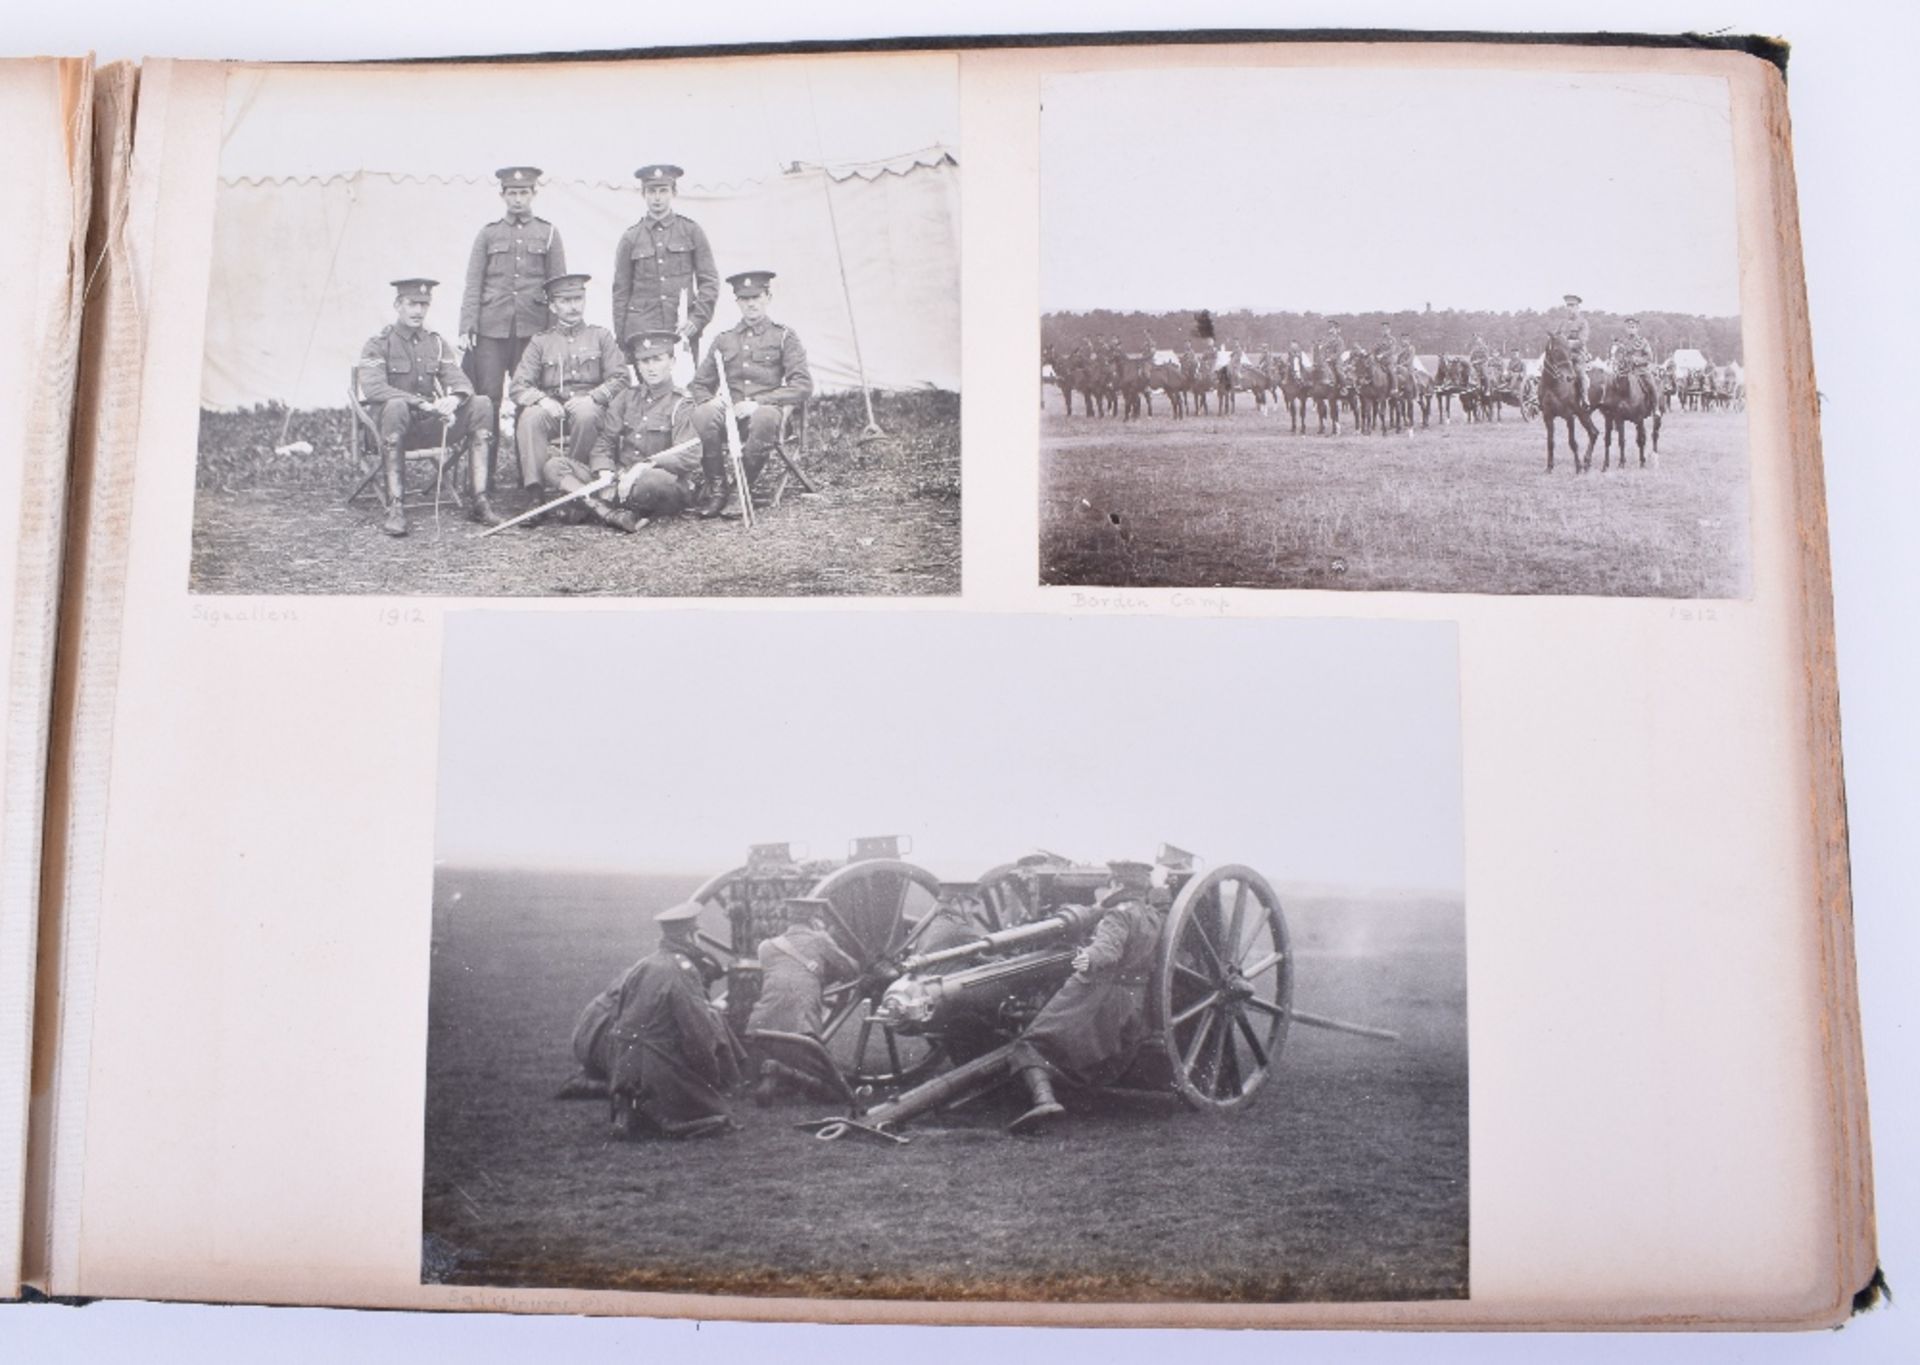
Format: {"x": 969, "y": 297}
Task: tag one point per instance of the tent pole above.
{"x": 872, "y": 432}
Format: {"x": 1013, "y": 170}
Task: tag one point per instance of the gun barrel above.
{"x": 1068, "y": 919}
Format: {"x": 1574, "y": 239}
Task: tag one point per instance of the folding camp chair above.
{"x": 445, "y": 463}
{"x": 791, "y": 449}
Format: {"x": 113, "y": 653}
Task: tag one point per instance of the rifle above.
{"x": 734, "y": 458}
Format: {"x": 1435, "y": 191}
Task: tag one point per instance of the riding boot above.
{"x": 715, "y": 496}
{"x": 396, "y": 465}
{"x": 1045, "y": 1107}
{"x": 481, "y": 459}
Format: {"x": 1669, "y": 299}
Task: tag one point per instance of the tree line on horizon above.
{"x": 1448, "y": 331}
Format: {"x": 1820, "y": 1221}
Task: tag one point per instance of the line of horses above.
{"x": 1378, "y": 398}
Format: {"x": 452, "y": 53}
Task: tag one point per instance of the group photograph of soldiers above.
{"x": 682, "y": 1035}
{"x": 735, "y": 377}
{"x": 1424, "y": 383}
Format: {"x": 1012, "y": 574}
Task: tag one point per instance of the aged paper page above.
{"x": 1651, "y": 1131}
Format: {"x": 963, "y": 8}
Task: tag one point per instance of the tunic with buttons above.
{"x": 563, "y": 363}
{"x": 1573, "y": 327}
{"x": 1635, "y": 356}
{"x": 665, "y": 1047}
{"x": 408, "y": 365}
{"x": 507, "y": 276}
{"x": 658, "y": 258}
{"x": 765, "y": 363}
{"x": 639, "y": 425}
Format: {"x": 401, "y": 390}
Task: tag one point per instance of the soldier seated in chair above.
{"x": 638, "y": 429}
{"x": 413, "y": 380}
{"x": 1090, "y": 1029}
{"x": 568, "y": 373}
{"x": 766, "y": 371}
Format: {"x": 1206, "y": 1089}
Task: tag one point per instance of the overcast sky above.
{"x": 724, "y": 121}
{"x": 1316, "y": 751}
{"x": 1341, "y": 190}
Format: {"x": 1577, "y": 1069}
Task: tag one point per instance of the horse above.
{"x": 1560, "y": 402}
{"x": 1372, "y": 383}
{"x": 1133, "y": 383}
{"x": 1166, "y": 375}
{"x": 1625, "y": 400}
{"x": 1416, "y": 391}
{"x": 1196, "y": 379}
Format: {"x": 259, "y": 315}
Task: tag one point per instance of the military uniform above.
{"x": 1477, "y": 357}
{"x": 959, "y": 916}
{"x": 659, "y": 263}
{"x": 1327, "y": 351}
{"x": 795, "y": 969}
{"x": 505, "y": 304}
{"x": 1634, "y": 358}
{"x": 639, "y": 424}
{"x": 668, "y": 1056}
{"x": 583, "y": 368}
{"x": 1090, "y": 1029}
{"x": 402, "y": 371}
{"x": 765, "y": 362}
{"x": 1571, "y": 326}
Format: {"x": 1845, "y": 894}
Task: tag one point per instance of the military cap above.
{"x": 1131, "y": 874}
{"x": 567, "y": 284}
{"x": 518, "y": 177}
{"x": 750, "y": 282}
{"x": 644, "y": 344}
{"x": 658, "y": 175}
{"x": 1633, "y": 322}
{"x": 1573, "y": 300}
{"x": 684, "y": 913}
{"x": 415, "y": 288}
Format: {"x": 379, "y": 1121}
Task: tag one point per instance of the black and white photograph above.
{"x": 1086, "y": 1000}
{"x": 672, "y": 328}
{"x": 1420, "y": 330}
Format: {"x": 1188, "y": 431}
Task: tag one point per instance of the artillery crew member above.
{"x": 1571, "y": 326}
{"x": 1477, "y": 357}
{"x": 959, "y": 916}
{"x": 505, "y": 303}
{"x": 796, "y": 967}
{"x": 664, "y": 278}
{"x": 414, "y": 381}
{"x": 639, "y": 427}
{"x": 766, "y": 371}
{"x": 1089, "y": 1031}
{"x": 669, "y": 1056}
{"x": 570, "y": 373}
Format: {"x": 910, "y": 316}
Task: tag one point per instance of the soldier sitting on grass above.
{"x": 641, "y": 426}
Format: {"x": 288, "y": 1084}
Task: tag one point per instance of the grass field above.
{"x": 886, "y": 521}
{"x": 1240, "y": 501}
{"x": 1346, "y": 1179}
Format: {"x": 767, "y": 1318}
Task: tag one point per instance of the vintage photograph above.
{"x": 1409, "y": 330}
{"x": 678, "y": 328}
{"x": 991, "y": 979}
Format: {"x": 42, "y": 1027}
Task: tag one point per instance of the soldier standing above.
{"x": 766, "y": 371}
{"x": 669, "y": 1057}
{"x": 504, "y": 306}
{"x": 1571, "y": 326}
{"x": 664, "y": 278}
{"x": 1089, "y": 1030}
{"x": 569, "y": 373}
{"x": 419, "y": 387}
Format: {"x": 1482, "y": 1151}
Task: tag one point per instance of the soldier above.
{"x": 1572, "y": 327}
{"x": 766, "y": 371}
{"x": 504, "y": 306}
{"x": 1331, "y": 346}
{"x": 639, "y": 426}
{"x": 569, "y": 373}
{"x": 1388, "y": 352}
{"x": 669, "y": 1057}
{"x": 959, "y": 916}
{"x": 796, "y": 967}
{"x": 1635, "y": 358}
{"x": 1477, "y": 357}
{"x": 1090, "y": 1029}
{"x": 664, "y": 278}
{"x": 420, "y": 389}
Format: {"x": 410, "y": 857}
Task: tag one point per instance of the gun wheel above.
{"x": 1224, "y": 988}
{"x": 876, "y": 905}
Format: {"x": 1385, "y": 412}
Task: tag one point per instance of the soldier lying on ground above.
{"x": 639, "y": 429}
{"x": 1090, "y": 1029}
{"x": 421, "y": 395}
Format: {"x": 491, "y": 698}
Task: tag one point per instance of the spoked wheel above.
{"x": 743, "y": 905}
{"x": 1224, "y": 991}
{"x": 1009, "y": 895}
{"x": 875, "y": 908}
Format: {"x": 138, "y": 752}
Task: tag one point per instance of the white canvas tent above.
{"x": 1688, "y": 361}
{"x": 301, "y": 266}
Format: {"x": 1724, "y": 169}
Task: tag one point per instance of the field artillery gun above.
{"x": 1219, "y": 1001}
